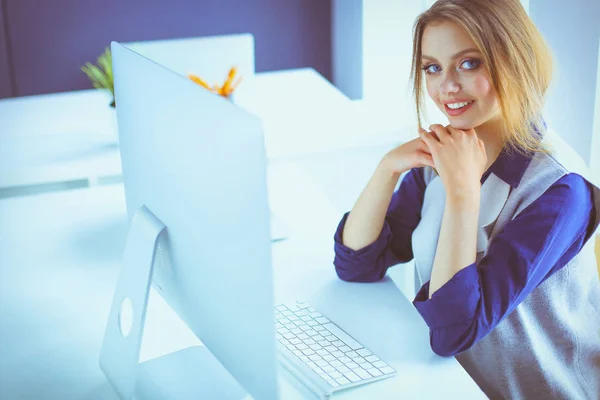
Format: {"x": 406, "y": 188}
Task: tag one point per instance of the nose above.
{"x": 450, "y": 84}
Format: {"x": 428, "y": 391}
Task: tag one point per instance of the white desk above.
{"x": 59, "y": 259}
{"x": 67, "y": 140}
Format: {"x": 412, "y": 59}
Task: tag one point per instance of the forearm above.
{"x": 365, "y": 221}
{"x": 457, "y": 243}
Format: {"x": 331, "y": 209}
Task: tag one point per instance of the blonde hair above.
{"x": 515, "y": 54}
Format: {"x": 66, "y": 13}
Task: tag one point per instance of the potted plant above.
{"x": 101, "y": 74}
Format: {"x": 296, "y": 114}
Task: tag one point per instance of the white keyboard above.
{"x": 326, "y": 355}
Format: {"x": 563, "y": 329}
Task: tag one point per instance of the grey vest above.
{"x": 549, "y": 346}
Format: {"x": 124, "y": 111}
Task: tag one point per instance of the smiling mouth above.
{"x": 454, "y": 109}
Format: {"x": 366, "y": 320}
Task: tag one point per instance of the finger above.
{"x": 454, "y": 131}
{"x": 428, "y": 139}
{"x": 422, "y": 146}
{"x": 441, "y": 132}
{"x": 426, "y": 159}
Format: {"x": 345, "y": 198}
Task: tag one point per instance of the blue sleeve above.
{"x": 542, "y": 239}
{"x": 394, "y": 244}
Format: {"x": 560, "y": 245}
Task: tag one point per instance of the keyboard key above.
{"x": 306, "y": 318}
{"x": 301, "y": 346}
{"x": 309, "y": 341}
{"x": 374, "y": 372}
{"x": 331, "y": 349}
{"x": 387, "y": 370}
{"x": 362, "y": 373}
{"x": 379, "y": 364}
{"x": 298, "y": 353}
{"x": 328, "y": 357}
{"x": 311, "y": 332}
{"x": 335, "y": 375}
{"x": 305, "y": 327}
{"x": 315, "y": 314}
{"x": 289, "y": 336}
{"x": 301, "y": 313}
{"x": 322, "y": 363}
{"x": 303, "y": 336}
{"x": 322, "y": 320}
{"x": 318, "y": 338}
{"x": 305, "y": 359}
{"x": 332, "y": 382}
{"x": 372, "y": 358}
{"x": 366, "y": 365}
{"x": 323, "y": 353}
{"x": 342, "y": 381}
{"x": 330, "y": 338}
{"x": 295, "y": 341}
{"x": 338, "y": 343}
{"x": 352, "y": 376}
{"x": 315, "y": 358}
{"x": 315, "y": 347}
{"x": 312, "y": 323}
{"x": 358, "y": 360}
{"x": 286, "y": 313}
{"x": 323, "y": 343}
{"x": 302, "y": 304}
{"x": 352, "y": 354}
{"x": 318, "y": 370}
{"x": 336, "y": 363}
{"x": 329, "y": 368}
{"x": 308, "y": 352}
{"x": 293, "y": 318}
{"x": 281, "y": 307}
{"x": 284, "y": 321}
{"x": 353, "y": 344}
{"x": 343, "y": 369}
{"x": 319, "y": 328}
{"x": 337, "y": 353}
{"x": 364, "y": 352}
{"x": 352, "y": 365}
{"x": 344, "y": 360}
{"x": 344, "y": 349}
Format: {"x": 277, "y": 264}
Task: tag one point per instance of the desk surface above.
{"x": 70, "y": 137}
{"x": 59, "y": 260}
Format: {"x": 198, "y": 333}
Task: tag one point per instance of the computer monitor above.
{"x": 197, "y": 162}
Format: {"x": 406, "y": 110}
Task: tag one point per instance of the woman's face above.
{"x": 456, "y": 78}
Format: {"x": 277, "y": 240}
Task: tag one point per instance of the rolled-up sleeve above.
{"x": 537, "y": 243}
{"x": 394, "y": 244}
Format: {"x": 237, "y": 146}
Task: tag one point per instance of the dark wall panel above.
{"x": 51, "y": 39}
{"x": 5, "y": 78}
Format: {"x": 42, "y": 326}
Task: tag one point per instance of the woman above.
{"x": 496, "y": 211}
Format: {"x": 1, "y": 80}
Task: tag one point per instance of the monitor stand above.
{"x": 191, "y": 373}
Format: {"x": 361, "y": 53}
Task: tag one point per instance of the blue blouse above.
{"x": 534, "y": 245}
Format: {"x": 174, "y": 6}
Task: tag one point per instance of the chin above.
{"x": 462, "y": 125}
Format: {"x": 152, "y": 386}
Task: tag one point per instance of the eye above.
{"x": 431, "y": 68}
{"x": 470, "y": 64}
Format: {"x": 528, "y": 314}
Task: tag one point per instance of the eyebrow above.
{"x": 460, "y": 53}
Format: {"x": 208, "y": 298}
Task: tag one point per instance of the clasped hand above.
{"x": 459, "y": 158}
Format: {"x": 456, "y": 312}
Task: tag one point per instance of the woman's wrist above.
{"x": 467, "y": 195}
{"x": 386, "y": 168}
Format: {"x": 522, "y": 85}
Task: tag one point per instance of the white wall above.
{"x": 595, "y": 148}
{"x": 572, "y": 29}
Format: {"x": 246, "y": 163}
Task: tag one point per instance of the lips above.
{"x": 457, "y": 111}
